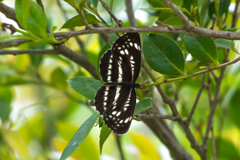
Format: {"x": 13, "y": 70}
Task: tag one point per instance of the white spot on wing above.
{"x": 126, "y": 51}
{"x": 118, "y": 114}
{"x": 131, "y": 44}
{"x": 114, "y": 112}
{"x": 136, "y": 46}
{"x": 122, "y": 52}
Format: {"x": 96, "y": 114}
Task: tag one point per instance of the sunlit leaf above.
{"x": 77, "y": 21}
{"x": 86, "y": 86}
{"x": 203, "y": 49}
{"x": 79, "y": 136}
{"x": 163, "y": 54}
{"x": 88, "y": 148}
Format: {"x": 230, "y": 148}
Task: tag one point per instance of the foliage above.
{"x": 45, "y": 92}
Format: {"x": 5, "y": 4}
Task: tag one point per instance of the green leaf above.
{"x": 77, "y": 21}
{"x": 22, "y": 12}
{"x": 178, "y": 2}
{"x": 174, "y": 21}
{"x": 95, "y": 3}
{"x": 234, "y": 108}
{"x": 86, "y": 86}
{"x": 223, "y": 43}
{"x": 79, "y": 136}
{"x": 225, "y": 149}
{"x": 5, "y": 101}
{"x": 58, "y": 79}
{"x": 105, "y": 132}
{"x": 31, "y": 17}
{"x": 37, "y": 20}
{"x": 104, "y": 49}
{"x": 203, "y": 49}
{"x": 143, "y": 105}
{"x": 163, "y": 54}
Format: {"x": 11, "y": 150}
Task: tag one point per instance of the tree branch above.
{"x": 119, "y": 22}
{"x": 130, "y": 13}
{"x": 157, "y": 116}
{"x": 77, "y": 58}
{"x": 187, "y": 23}
{"x": 28, "y": 51}
{"x": 188, "y": 120}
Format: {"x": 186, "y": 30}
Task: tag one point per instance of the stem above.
{"x": 194, "y": 74}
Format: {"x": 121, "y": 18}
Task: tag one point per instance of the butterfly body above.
{"x": 119, "y": 69}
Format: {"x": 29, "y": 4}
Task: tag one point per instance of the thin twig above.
{"x": 213, "y": 145}
{"x": 118, "y": 140}
{"x": 79, "y": 41}
{"x": 235, "y": 14}
{"x": 130, "y": 13}
{"x": 119, "y": 22}
{"x": 187, "y": 23}
{"x": 188, "y": 120}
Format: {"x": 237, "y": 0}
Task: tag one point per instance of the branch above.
{"x": 188, "y": 120}
{"x": 235, "y": 14}
{"x": 118, "y": 140}
{"x": 130, "y": 13}
{"x": 77, "y": 58}
{"x": 9, "y": 12}
{"x": 158, "y": 116}
{"x": 187, "y": 23}
{"x": 28, "y": 51}
{"x": 194, "y": 74}
{"x": 119, "y": 22}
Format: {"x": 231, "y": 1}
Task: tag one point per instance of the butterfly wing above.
{"x": 118, "y": 116}
{"x": 127, "y": 50}
{"x": 122, "y": 62}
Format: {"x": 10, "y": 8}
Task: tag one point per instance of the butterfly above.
{"x": 119, "y": 69}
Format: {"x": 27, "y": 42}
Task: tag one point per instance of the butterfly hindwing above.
{"x": 104, "y": 98}
{"x": 118, "y": 116}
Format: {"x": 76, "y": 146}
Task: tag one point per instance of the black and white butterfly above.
{"x": 119, "y": 69}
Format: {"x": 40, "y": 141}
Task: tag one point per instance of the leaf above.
{"x": 88, "y": 148}
{"x": 163, "y": 54}
{"x": 58, "y": 79}
{"x": 145, "y": 146}
{"x": 77, "y": 21}
{"x": 95, "y": 3}
{"x": 233, "y": 106}
{"x": 223, "y": 43}
{"x": 203, "y": 49}
{"x": 174, "y": 21}
{"x": 105, "y": 132}
{"x": 142, "y": 105}
{"x": 86, "y": 86}
{"x": 5, "y": 102}
{"x": 178, "y": 2}
{"x": 79, "y": 136}
{"x": 104, "y": 49}
{"x": 22, "y": 12}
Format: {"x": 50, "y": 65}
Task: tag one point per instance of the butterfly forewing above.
{"x": 118, "y": 116}
{"x": 127, "y": 49}
{"x": 119, "y": 68}
{"x": 109, "y": 67}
